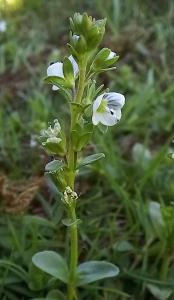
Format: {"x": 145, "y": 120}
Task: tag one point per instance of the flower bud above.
{"x": 104, "y": 59}
{"x": 89, "y": 30}
{"x": 53, "y": 139}
{"x": 69, "y": 196}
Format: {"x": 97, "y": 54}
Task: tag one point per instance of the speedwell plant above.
{"x": 90, "y": 106}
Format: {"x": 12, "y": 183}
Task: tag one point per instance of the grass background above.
{"x": 121, "y": 222}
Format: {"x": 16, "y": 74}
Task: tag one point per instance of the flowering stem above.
{"x": 72, "y": 158}
{"x": 73, "y": 255}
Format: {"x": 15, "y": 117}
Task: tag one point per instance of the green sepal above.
{"x": 61, "y": 84}
{"x": 77, "y": 107}
{"x": 55, "y": 80}
{"x": 72, "y": 50}
{"x": 59, "y": 179}
{"x": 90, "y": 159}
{"x": 101, "y": 60}
{"x": 68, "y": 72}
{"x": 81, "y": 134}
{"x": 90, "y": 92}
{"x": 106, "y": 70}
{"x": 81, "y": 45}
{"x": 90, "y": 31}
{"x": 55, "y": 148}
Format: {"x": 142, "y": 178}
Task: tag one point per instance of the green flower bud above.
{"x": 89, "y": 32}
{"x": 53, "y": 139}
{"x": 104, "y": 59}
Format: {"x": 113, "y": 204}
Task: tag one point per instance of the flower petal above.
{"x": 74, "y": 64}
{"x": 3, "y": 26}
{"x": 97, "y": 103}
{"x": 108, "y": 119}
{"x": 96, "y": 118}
{"x": 55, "y": 88}
{"x": 75, "y": 37}
{"x": 115, "y": 100}
{"x": 118, "y": 114}
{"x": 111, "y": 55}
{"x": 55, "y": 69}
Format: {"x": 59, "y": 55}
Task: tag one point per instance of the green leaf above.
{"x": 156, "y": 217}
{"x": 55, "y": 295}
{"x": 90, "y": 159}
{"x": 83, "y": 140}
{"x": 55, "y": 80}
{"x": 54, "y": 166}
{"x": 41, "y": 299}
{"x": 160, "y": 293}
{"x": 123, "y": 246}
{"x": 81, "y": 135}
{"x": 37, "y": 279}
{"x": 69, "y": 222}
{"x": 95, "y": 270}
{"x": 46, "y": 299}
{"x": 30, "y": 220}
{"x": 51, "y": 263}
{"x": 55, "y": 148}
{"x": 77, "y": 107}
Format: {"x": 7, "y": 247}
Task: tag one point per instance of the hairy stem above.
{"x": 73, "y": 255}
{"x": 72, "y": 158}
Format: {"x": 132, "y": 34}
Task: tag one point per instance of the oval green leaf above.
{"x": 56, "y": 295}
{"x": 90, "y": 159}
{"x": 95, "y": 270}
{"x": 54, "y": 166}
{"x": 55, "y": 80}
{"x": 51, "y": 263}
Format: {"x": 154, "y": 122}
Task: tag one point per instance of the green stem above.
{"x": 165, "y": 266}
{"x": 73, "y": 255}
{"x": 72, "y": 158}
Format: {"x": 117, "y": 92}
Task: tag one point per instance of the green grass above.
{"x": 117, "y": 223}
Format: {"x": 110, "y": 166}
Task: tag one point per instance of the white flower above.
{"x": 51, "y": 134}
{"x": 107, "y": 109}
{"x": 75, "y": 37}
{"x": 3, "y": 26}
{"x": 75, "y": 65}
{"x": 111, "y": 55}
{"x": 33, "y": 141}
{"x": 56, "y": 69}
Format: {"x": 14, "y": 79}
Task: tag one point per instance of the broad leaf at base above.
{"x": 95, "y": 270}
{"x": 51, "y": 263}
